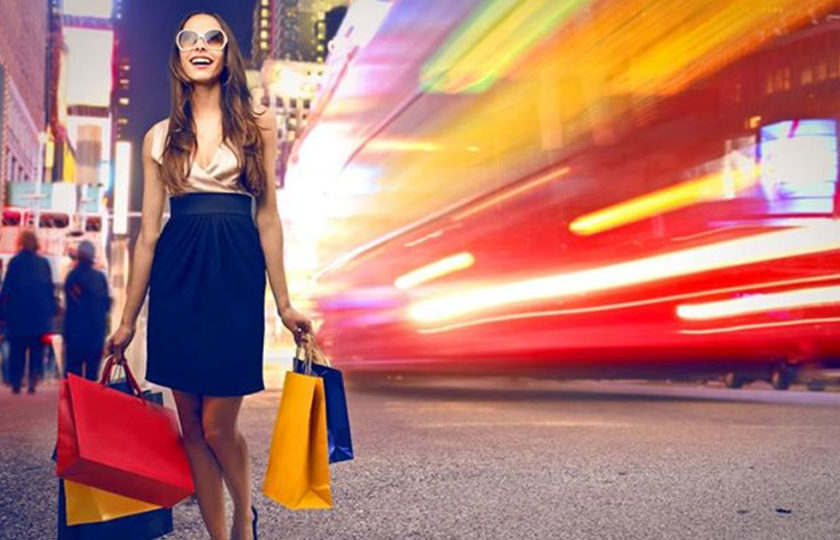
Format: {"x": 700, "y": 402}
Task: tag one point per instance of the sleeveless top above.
{"x": 221, "y": 175}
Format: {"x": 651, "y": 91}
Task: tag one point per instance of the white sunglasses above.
{"x": 214, "y": 39}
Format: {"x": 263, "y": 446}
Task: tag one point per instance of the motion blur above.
{"x": 581, "y": 188}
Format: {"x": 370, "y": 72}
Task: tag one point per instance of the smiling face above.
{"x": 201, "y": 61}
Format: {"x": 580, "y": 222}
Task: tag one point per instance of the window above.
{"x": 11, "y": 218}
{"x": 93, "y": 225}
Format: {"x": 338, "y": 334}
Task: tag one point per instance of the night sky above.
{"x": 148, "y": 31}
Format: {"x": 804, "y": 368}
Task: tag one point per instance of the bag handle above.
{"x": 312, "y": 353}
{"x": 318, "y": 355}
{"x": 118, "y": 359}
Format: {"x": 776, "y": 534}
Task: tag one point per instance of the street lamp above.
{"x": 39, "y": 176}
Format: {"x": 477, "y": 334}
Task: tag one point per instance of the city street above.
{"x": 519, "y": 458}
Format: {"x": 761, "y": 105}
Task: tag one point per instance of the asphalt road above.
{"x": 518, "y": 458}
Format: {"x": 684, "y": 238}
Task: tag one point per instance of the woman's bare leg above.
{"x": 207, "y": 474}
{"x": 219, "y": 417}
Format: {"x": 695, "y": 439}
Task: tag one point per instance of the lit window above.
{"x": 263, "y": 34}
{"x": 263, "y": 12}
{"x": 123, "y": 101}
{"x": 821, "y": 71}
{"x": 265, "y": 2}
{"x": 263, "y": 45}
{"x": 264, "y": 23}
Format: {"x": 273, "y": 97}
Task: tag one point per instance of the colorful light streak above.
{"x": 775, "y": 245}
{"x": 444, "y": 266}
{"x": 498, "y": 35}
{"x": 760, "y": 303}
{"x": 709, "y": 188}
{"x": 762, "y": 326}
{"x": 623, "y": 305}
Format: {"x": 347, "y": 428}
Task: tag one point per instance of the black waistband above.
{"x": 210, "y": 203}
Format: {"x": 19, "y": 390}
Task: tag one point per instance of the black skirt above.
{"x": 206, "y": 297}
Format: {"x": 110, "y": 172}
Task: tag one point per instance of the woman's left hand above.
{"x": 297, "y": 323}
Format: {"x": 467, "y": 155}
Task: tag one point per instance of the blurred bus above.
{"x": 687, "y": 226}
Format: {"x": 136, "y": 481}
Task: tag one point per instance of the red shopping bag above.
{"x": 120, "y": 442}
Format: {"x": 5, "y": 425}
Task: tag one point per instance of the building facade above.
{"x": 289, "y": 47}
{"x": 23, "y": 96}
{"x": 296, "y": 30}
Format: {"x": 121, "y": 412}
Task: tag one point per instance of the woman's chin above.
{"x": 203, "y": 78}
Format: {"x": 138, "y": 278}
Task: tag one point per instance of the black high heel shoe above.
{"x": 254, "y": 523}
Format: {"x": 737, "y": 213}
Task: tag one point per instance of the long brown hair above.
{"x": 239, "y": 122}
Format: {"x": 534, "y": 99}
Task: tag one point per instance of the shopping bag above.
{"x": 85, "y": 504}
{"x": 339, "y": 441}
{"x": 143, "y": 526}
{"x": 298, "y": 475}
{"x": 86, "y": 513}
{"x": 135, "y": 450}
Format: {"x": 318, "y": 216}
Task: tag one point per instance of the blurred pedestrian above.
{"x": 88, "y": 301}
{"x": 27, "y": 305}
{"x": 206, "y": 271}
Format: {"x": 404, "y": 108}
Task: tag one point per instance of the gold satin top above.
{"x": 221, "y": 175}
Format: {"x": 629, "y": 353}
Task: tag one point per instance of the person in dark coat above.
{"x": 27, "y": 305}
{"x": 88, "y": 302}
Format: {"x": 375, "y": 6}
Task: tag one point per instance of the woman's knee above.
{"x": 218, "y": 433}
{"x": 219, "y": 420}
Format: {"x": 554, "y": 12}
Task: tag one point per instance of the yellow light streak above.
{"x": 392, "y": 145}
{"x": 709, "y": 188}
{"x": 444, "y": 266}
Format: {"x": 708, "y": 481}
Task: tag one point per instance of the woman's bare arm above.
{"x": 268, "y": 217}
{"x": 154, "y": 198}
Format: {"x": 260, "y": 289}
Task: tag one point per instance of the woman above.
{"x": 206, "y": 269}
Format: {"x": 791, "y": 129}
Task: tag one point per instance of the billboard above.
{"x": 89, "y": 73}
{"x": 89, "y": 8}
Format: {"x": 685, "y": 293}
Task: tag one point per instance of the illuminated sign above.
{"x": 89, "y": 77}
{"x": 89, "y": 8}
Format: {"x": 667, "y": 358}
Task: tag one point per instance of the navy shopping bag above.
{"x": 339, "y": 441}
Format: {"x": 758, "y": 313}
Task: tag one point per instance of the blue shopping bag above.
{"x": 339, "y": 442}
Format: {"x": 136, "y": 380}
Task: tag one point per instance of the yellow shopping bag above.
{"x": 298, "y": 475}
{"x": 87, "y": 504}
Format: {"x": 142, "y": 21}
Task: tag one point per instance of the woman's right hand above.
{"x": 120, "y": 339}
